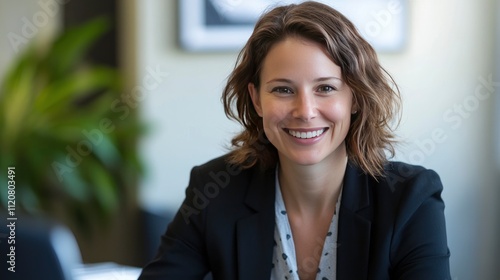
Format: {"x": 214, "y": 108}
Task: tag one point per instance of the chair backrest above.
{"x": 43, "y": 249}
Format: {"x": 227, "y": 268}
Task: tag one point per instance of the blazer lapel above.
{"x": 354, "y": 226}
{"x": 255, "y": 232}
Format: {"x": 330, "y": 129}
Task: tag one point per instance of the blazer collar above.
{"x": 355, "y": 193}
{"x": 255, "y": 233}
{"x": 354, "y": 225}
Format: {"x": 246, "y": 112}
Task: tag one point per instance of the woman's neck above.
{"x": 310, "y": 190}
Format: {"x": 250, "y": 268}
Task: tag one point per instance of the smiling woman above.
{"x": 301, "y": 93}
{"x": 312, "y": 195}
{"x": 339, "y": 52}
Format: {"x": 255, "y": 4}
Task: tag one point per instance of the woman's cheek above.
{"x": 272, "y": 118}
{"x": 339, "y": 111}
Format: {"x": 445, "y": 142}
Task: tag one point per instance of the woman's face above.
{"x": 303, "y": 101}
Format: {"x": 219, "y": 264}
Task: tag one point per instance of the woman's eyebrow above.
{"x": 282, "y": 80}
{"x": 320, "y": 79}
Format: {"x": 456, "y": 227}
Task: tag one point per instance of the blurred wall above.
{"x": 22, "y": 21}
{"x": 447, "y": 78}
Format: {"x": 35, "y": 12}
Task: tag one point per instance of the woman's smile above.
{"x": 305, "y": 133}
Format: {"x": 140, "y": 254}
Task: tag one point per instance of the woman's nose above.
{"x": 304, "y": 106}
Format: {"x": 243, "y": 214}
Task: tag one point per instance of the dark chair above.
{"x": 155, "y": 224}
{"x": 43, "y": 249}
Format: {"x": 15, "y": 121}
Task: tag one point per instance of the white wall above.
{"x": 450, "y": 51}
{"x": 23, "y": 21}
{"x": 187, "y": 122}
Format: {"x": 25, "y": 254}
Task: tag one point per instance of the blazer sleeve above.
{"x": 419, "y": 248}
{"x": 182, "y": 253}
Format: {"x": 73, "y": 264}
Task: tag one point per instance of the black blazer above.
{"x": 390, "y": 229}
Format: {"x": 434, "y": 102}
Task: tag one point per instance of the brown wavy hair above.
{"x": 375, "y": 94}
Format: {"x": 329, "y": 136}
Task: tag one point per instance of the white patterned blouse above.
{"x": 284, "y": 259}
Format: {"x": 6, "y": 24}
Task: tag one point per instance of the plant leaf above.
{"x": 58, "y": 96}
{"x": 70, "y": 47}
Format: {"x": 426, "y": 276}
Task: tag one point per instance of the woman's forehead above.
{"x": 297, "y": 56}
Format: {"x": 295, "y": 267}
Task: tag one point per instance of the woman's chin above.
{"x": 303, "y": 159}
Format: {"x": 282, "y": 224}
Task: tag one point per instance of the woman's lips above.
{"x": 306, "y": 133}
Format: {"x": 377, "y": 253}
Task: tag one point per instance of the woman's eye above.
{"x": 326, "y": 88}
{"x": 282, "y": 90}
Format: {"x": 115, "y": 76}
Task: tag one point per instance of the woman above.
{"x": 307, "y": 191}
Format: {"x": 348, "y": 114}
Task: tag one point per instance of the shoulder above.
{"x": 213, "y": 185}
{"x": 223, "y": 183}
{"x": 219, "y": 171}
{"x": 401, "y": 172}
{"x": 411, "y": 180}
{"x": 411, "y": 187}
{"x": 399, "y": 180}
{"x": 217, "y": 164}
{"x": 396, "y": 195}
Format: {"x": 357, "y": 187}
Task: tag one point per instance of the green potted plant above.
{"x": 73, "y": 151}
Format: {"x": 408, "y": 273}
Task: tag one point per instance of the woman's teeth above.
{"x": 306, "y": 135}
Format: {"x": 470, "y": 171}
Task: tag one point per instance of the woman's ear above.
{"x": 354, "y": 110}
{"x": 354, "y": 107}
{"x": 254, "y": 95}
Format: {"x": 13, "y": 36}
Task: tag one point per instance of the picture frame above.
{"x": 225, "y": 25}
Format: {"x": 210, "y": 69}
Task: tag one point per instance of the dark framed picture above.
{"x": 225, "y": 25}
